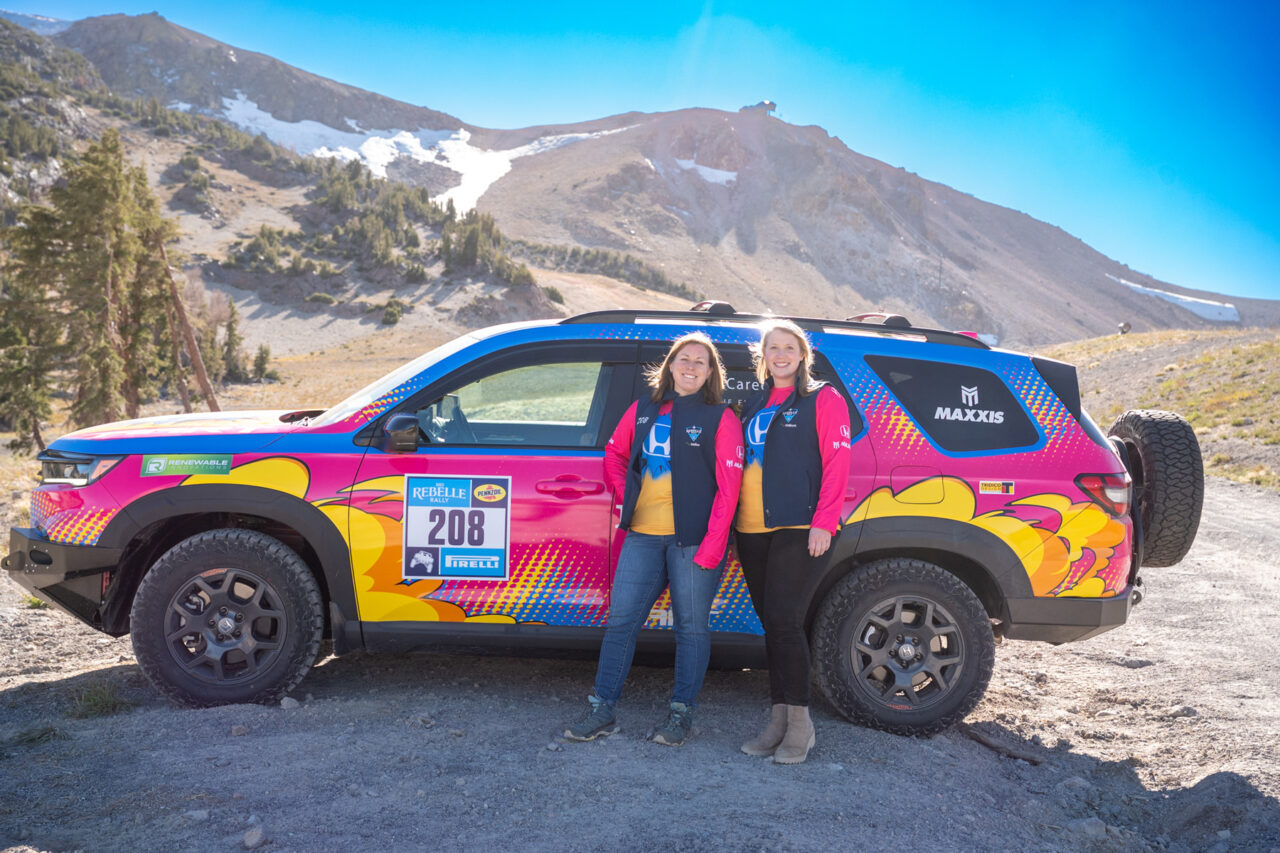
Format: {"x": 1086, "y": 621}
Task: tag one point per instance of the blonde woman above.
{"x": 797, "y": 441}
{"x": 675, "y": 460}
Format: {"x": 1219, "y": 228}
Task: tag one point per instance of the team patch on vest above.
{"x": 693, "y": 432}
{"x": 789, "y": 415}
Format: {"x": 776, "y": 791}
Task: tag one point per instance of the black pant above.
{"x": 782, "y": 578}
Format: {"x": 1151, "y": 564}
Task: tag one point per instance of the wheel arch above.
{"x": 980, "y": 559}
{"x": 153, "y": 524}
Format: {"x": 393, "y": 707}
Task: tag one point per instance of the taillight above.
{"x": 1112, "y": 492}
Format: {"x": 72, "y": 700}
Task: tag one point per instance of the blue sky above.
{"x": 1150, "y": 131}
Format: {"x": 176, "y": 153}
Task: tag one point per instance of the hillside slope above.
{"x": 739, "y": 206}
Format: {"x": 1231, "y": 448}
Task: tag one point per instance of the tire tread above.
{"x": 217, "y": 543}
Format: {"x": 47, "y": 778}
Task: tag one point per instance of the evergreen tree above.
{"x": 28, "y": 334}
{"x": 88, "y": 292}
{"x": 232, "y": 356}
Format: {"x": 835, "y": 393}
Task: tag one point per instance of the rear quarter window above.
{"x": 962, "y": 409}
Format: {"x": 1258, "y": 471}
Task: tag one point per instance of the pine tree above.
{"x": 232, "y": 356}
{"x": 28, "y": 333}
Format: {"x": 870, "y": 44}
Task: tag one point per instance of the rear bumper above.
{"x": 70, "y": 576}
{"x": 1065, "y": 620}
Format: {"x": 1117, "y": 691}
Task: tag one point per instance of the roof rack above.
{"x": 893, "y": 325}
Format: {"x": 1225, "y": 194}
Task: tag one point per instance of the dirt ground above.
{"x": 1161, "y": 734}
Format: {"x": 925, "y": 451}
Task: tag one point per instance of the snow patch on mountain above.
{"x": 708, "y": 174}
{"x": 479, "y": 167}
{"x": 1221, "y": 312}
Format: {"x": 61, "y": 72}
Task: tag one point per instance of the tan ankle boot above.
{"x": 799, "y": 739}
{"x": 767, "y": 741}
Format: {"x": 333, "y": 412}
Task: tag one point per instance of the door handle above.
{"x": 569, "y": 487}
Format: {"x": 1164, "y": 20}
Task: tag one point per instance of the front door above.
{"x": 502, "y": 514}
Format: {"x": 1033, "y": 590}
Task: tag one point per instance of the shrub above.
{"x": 322, "y": 297}
{"x": 554, "y": 294}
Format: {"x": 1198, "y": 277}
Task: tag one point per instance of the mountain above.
{"x": 738, "y": 206}
{"x": 38, "y": 24}
{"x": 39, "y": 114}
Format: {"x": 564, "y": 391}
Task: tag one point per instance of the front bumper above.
{"x": 70, "y": 576}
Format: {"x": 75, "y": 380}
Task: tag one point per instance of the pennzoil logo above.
{"x": 489, "y": 492}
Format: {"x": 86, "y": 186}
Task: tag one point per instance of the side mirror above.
{"x": 401, "y": 434}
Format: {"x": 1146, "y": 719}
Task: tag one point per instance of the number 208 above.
{"x": 456, "y": 527}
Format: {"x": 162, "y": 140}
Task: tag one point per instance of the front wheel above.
{"x": 227, "y": 616}
{"x": 903, "y": 646}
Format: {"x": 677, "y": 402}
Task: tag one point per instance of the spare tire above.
{"x": 1168, "y": 481}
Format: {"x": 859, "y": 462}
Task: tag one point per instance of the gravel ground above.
{"x": 1159, "y": 735}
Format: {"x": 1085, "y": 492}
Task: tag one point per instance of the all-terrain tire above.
{"x": 903, "y": 646}
{"x": 227, "y": 616}
{"x": 1168, "y": 481}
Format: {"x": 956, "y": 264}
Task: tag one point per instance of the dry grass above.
{"x": 1226, "y": 383}
{"x": 98, "y": 700}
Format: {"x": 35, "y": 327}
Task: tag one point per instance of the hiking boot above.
{"x": 676, "y": 727}
{"x": 599, "y": 721}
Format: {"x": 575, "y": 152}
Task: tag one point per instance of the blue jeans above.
{"x": 646, "y": 565}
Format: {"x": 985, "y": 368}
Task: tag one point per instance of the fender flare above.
{"x": 905, "y": 535}
{"x": 234, "y": 499}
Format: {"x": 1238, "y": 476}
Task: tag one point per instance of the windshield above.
{"x": 399, "y": 376}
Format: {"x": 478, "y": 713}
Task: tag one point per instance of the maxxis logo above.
{"x": 968, "y": 398}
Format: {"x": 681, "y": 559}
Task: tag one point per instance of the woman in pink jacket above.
{"x": 675, "y": 461}
{"x": 797, "y": 436}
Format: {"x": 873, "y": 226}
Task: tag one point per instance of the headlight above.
{"x": 73, "y": 469}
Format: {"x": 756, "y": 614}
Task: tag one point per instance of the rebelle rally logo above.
{"x": 968, "y": 411}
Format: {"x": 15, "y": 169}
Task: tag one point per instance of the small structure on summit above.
{"x": 765, "y": 107}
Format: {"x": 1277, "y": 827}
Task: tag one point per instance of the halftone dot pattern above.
{"x": 43, "y": 507}
{"x": 732, "y": 609}
{"x": 658, "y": 615}
{"x": 893, "y": 431}
{"x": 1064, "y": 439}
{"x": 386, "y": 401}
{"x": 551, "y": 582}
{"x": 664, "y": 332}
{"x": 80, "y": 528}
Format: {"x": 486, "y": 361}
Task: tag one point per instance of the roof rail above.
{"x": 717, "y": 314}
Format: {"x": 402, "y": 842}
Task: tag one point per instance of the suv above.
{"x": 460, "y": 501}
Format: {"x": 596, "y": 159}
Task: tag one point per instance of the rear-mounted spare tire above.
{"x": 1168, "y": 481}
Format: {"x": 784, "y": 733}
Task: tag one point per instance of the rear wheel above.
{"x": 1168, "y": 481}
{"x": 903, "y": 646}
{"x": 227, "y": 616}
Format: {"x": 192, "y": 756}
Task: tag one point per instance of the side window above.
{"x": 558, "y": 404}
{"x": 962, "y": 408}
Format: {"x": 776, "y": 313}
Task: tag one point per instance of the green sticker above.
{"x": 184, "y": 465}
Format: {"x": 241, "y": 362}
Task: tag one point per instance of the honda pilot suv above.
{"x": 461, "y": 501}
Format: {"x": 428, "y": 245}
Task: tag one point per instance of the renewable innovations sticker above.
{"x": 456, "y": 528}
{"x": 186, "y": 464}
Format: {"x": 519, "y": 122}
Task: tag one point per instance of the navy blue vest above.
{"x": 792, "y": 462}
{"x": 693, "y": 463}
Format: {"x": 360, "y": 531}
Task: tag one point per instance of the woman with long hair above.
{"x": 675, "y": 460}
{"x": 789, "y": 509}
